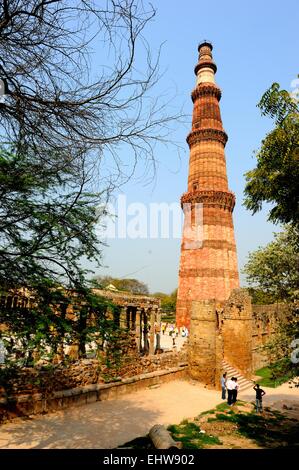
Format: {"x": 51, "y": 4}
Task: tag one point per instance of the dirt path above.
{"x": 108, "y": 424}
{"x": 273, "y": 395}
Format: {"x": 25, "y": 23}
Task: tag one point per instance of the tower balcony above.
{"x": 199, "y": 135}
{"x": 221, "y": 199}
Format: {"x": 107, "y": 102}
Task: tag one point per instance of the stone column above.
{"x": 138, "y": 328}
{"x": 158, "y": 329}
{"x": 152, "y": 332}
{"x": 128, "y": 318}
{"x": 123, "y": 317}
{"x": 133, "y": 318}
{"x": 145, "y": 332}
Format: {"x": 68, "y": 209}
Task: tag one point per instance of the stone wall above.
{"x": 45, "y": 383}
{"x": 36, "y": 403}
{"x": 234, "y": 331}
{"x": 265, "y": 321}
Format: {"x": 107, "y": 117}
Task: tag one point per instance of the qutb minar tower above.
{"x": 208, "y": 270}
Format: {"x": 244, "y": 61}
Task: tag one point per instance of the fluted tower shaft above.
{"x": 208, "y": 269}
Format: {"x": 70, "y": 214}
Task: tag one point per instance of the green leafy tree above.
{"x": 260, "y": 297}
{"x": 47, "y": 223}
{"x": 168, "y": 301}
{"x": 275, "y": 179}
{"x": 272, "y": 273}
{"x": 131, "y": 285}
{"x": 274, "y": 268}
{"x": 61, "y": 120}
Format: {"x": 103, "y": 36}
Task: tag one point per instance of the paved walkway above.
{"x": 108, "y": 424}
{"x": 166, "y": 342}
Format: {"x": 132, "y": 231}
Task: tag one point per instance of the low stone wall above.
{"x": 34, "y": 391}
{"x": 32, "y": 404}
{"x": 87, "y": 372}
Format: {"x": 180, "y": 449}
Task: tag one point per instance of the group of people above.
{"x": 232, "y": 387}
{"x": 173, "y": 330}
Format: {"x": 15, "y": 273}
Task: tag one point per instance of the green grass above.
{"x": 222, "y": 407}
{"x": 189, "y": 434}
{"x": 266, "y": 431}
{"x": 270, "y": 430}
{"x": 267, "y": 379}
{"x": 208, "y": 412}
{"x": 231, "y": 417}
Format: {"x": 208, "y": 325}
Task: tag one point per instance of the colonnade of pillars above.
{"x": 146, "y": 323}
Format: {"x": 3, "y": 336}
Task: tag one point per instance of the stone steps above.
{"x": 243, "y": 383}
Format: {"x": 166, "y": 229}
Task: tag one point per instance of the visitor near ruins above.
{"x": 223, "y": 386}
{"x": 259, "y": 393}
{"x": 231, "y": 387}
{"x": 235, "y": 391}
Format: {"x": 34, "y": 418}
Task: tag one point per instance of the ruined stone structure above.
{"x": 208, "y": 265}
{"x": 265, "y": 322}
{"x": 140, "y": 314}
{"x": 234, "y": 332}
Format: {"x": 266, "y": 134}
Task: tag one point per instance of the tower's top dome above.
{"x": 205, "y": 67}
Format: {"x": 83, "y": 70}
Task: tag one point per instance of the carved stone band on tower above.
{"x": 208, "y": 271}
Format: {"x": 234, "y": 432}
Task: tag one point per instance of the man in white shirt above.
{"x": 230, "y": 385}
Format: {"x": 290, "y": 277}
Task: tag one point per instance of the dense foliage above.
{"x": 273, "y": 269}
{"x": 130, "y": 285}
{"x": 276, "y": 177}
{"x": 63, "y": 121}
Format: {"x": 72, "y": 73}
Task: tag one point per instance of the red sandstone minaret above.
{"x": 208, "y": 266}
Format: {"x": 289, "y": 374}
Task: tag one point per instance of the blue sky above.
{"x": 255, "y": 44}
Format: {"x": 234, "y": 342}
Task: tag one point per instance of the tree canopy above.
{"x": 272, "y": 273}
{"x": 273, "y": 269}
{"x": 131, "y": 285}
{"x": 64, "y": 100}
{"x": 168, "y": 301}
{"x": 66, "y": 116}
{"x": 275, "y": 179}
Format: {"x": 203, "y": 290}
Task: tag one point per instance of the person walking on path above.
{"x": 231, "y": 385}
{"x": 259, "y": 393}
{"x": 223, "y": 386}
{"x": 235, "y": 390}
